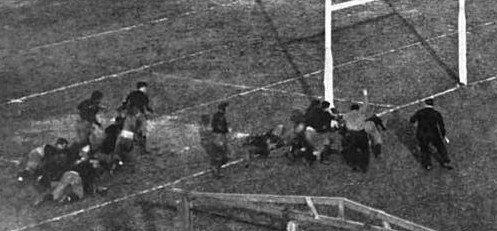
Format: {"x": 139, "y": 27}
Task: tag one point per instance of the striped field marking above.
{"x": 240, "y": 160}
{"x": 162, "y": 76}
{"x": 111, "y": 76}
{"x": 256, "y": 89}
{"x": 117, "y": 75}
{"x": 224, "y": 166}
{"x": 336, "y": 99}
{"x": 127, "y": 28}
{"x": 436, "y": 95}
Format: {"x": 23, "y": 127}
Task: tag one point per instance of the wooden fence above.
{"x": 278, "y": 206}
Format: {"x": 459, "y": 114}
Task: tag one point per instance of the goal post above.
{"x": 328, "y": 56}
{"x": 328, "y": 59}
{"x": 463, "y": 71}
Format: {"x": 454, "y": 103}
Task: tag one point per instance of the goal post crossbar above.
{"x": 349, "y": 4}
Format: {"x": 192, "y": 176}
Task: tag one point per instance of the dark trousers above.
{"x": 356, "y": 149}
{"x": 425, "y": 139}
{"x": 124, "y": 150}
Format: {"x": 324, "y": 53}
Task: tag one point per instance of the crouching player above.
{"x": 34, "y": 160}
{"x": 68, "y": 179}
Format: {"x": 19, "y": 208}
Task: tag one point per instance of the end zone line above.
{"x": 74, "y": 213}
{"x": 482, "y": 81}
{"x": 417, "y": 101}
{"x": 436, "y": 95}
{"x": 335, "y": 99}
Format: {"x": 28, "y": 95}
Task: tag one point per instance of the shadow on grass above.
{"x": 452, "y": 74}
{"x": 319, "y": 37}
{"x": 405, "y": 133}
{"x": 305, "y": 87}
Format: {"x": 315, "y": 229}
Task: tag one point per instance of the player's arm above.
{"x": 226, "y": 125}
{"x": 215, "y": 122}
{"x": 81, "y": 105}
{"x": 148, "y": 107}
{"x": 365, "y": 107}
{"x": 441, "y": 125}
{"x": 124, "y": 102}
{"x": 102, "y": 107}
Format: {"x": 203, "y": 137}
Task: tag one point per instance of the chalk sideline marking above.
{"x": 124, "y": 197}
{"x": 358, "y": 59}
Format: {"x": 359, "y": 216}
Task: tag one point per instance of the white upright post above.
{"x": 328, "y": 59}
{"x": 463, "y": 72}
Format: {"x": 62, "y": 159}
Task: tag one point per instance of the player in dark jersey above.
{"x": 431, "y": 130}
{"x": 138, "y": 101}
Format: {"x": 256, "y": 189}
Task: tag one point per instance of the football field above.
{"x": 266, "y": 58}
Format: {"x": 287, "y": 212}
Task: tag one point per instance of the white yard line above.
{"x": 373, "y": 56}
{"x": 123, "y": 29}
{"x": 226, "y": 165}
{"x": 9, "y": 161}
{"x": 117, "y": 75}
{"x": 211, "y": 82}
{"x": 20, "y": 100}
{"x": 256, "y": 89}
{"x": 163, "y": 76}
{"x": 101, "y": 78}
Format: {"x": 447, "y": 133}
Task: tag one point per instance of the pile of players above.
{"x": 66, "y": 172}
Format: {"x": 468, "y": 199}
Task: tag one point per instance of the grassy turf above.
{"x": 480, "y": 55}
{"x": 252, "y": 50}
{"x": 456, "y": 200}
{"x": 53, "y": 21}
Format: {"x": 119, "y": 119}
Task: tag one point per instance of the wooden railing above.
{"x": 277, "y": 205}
